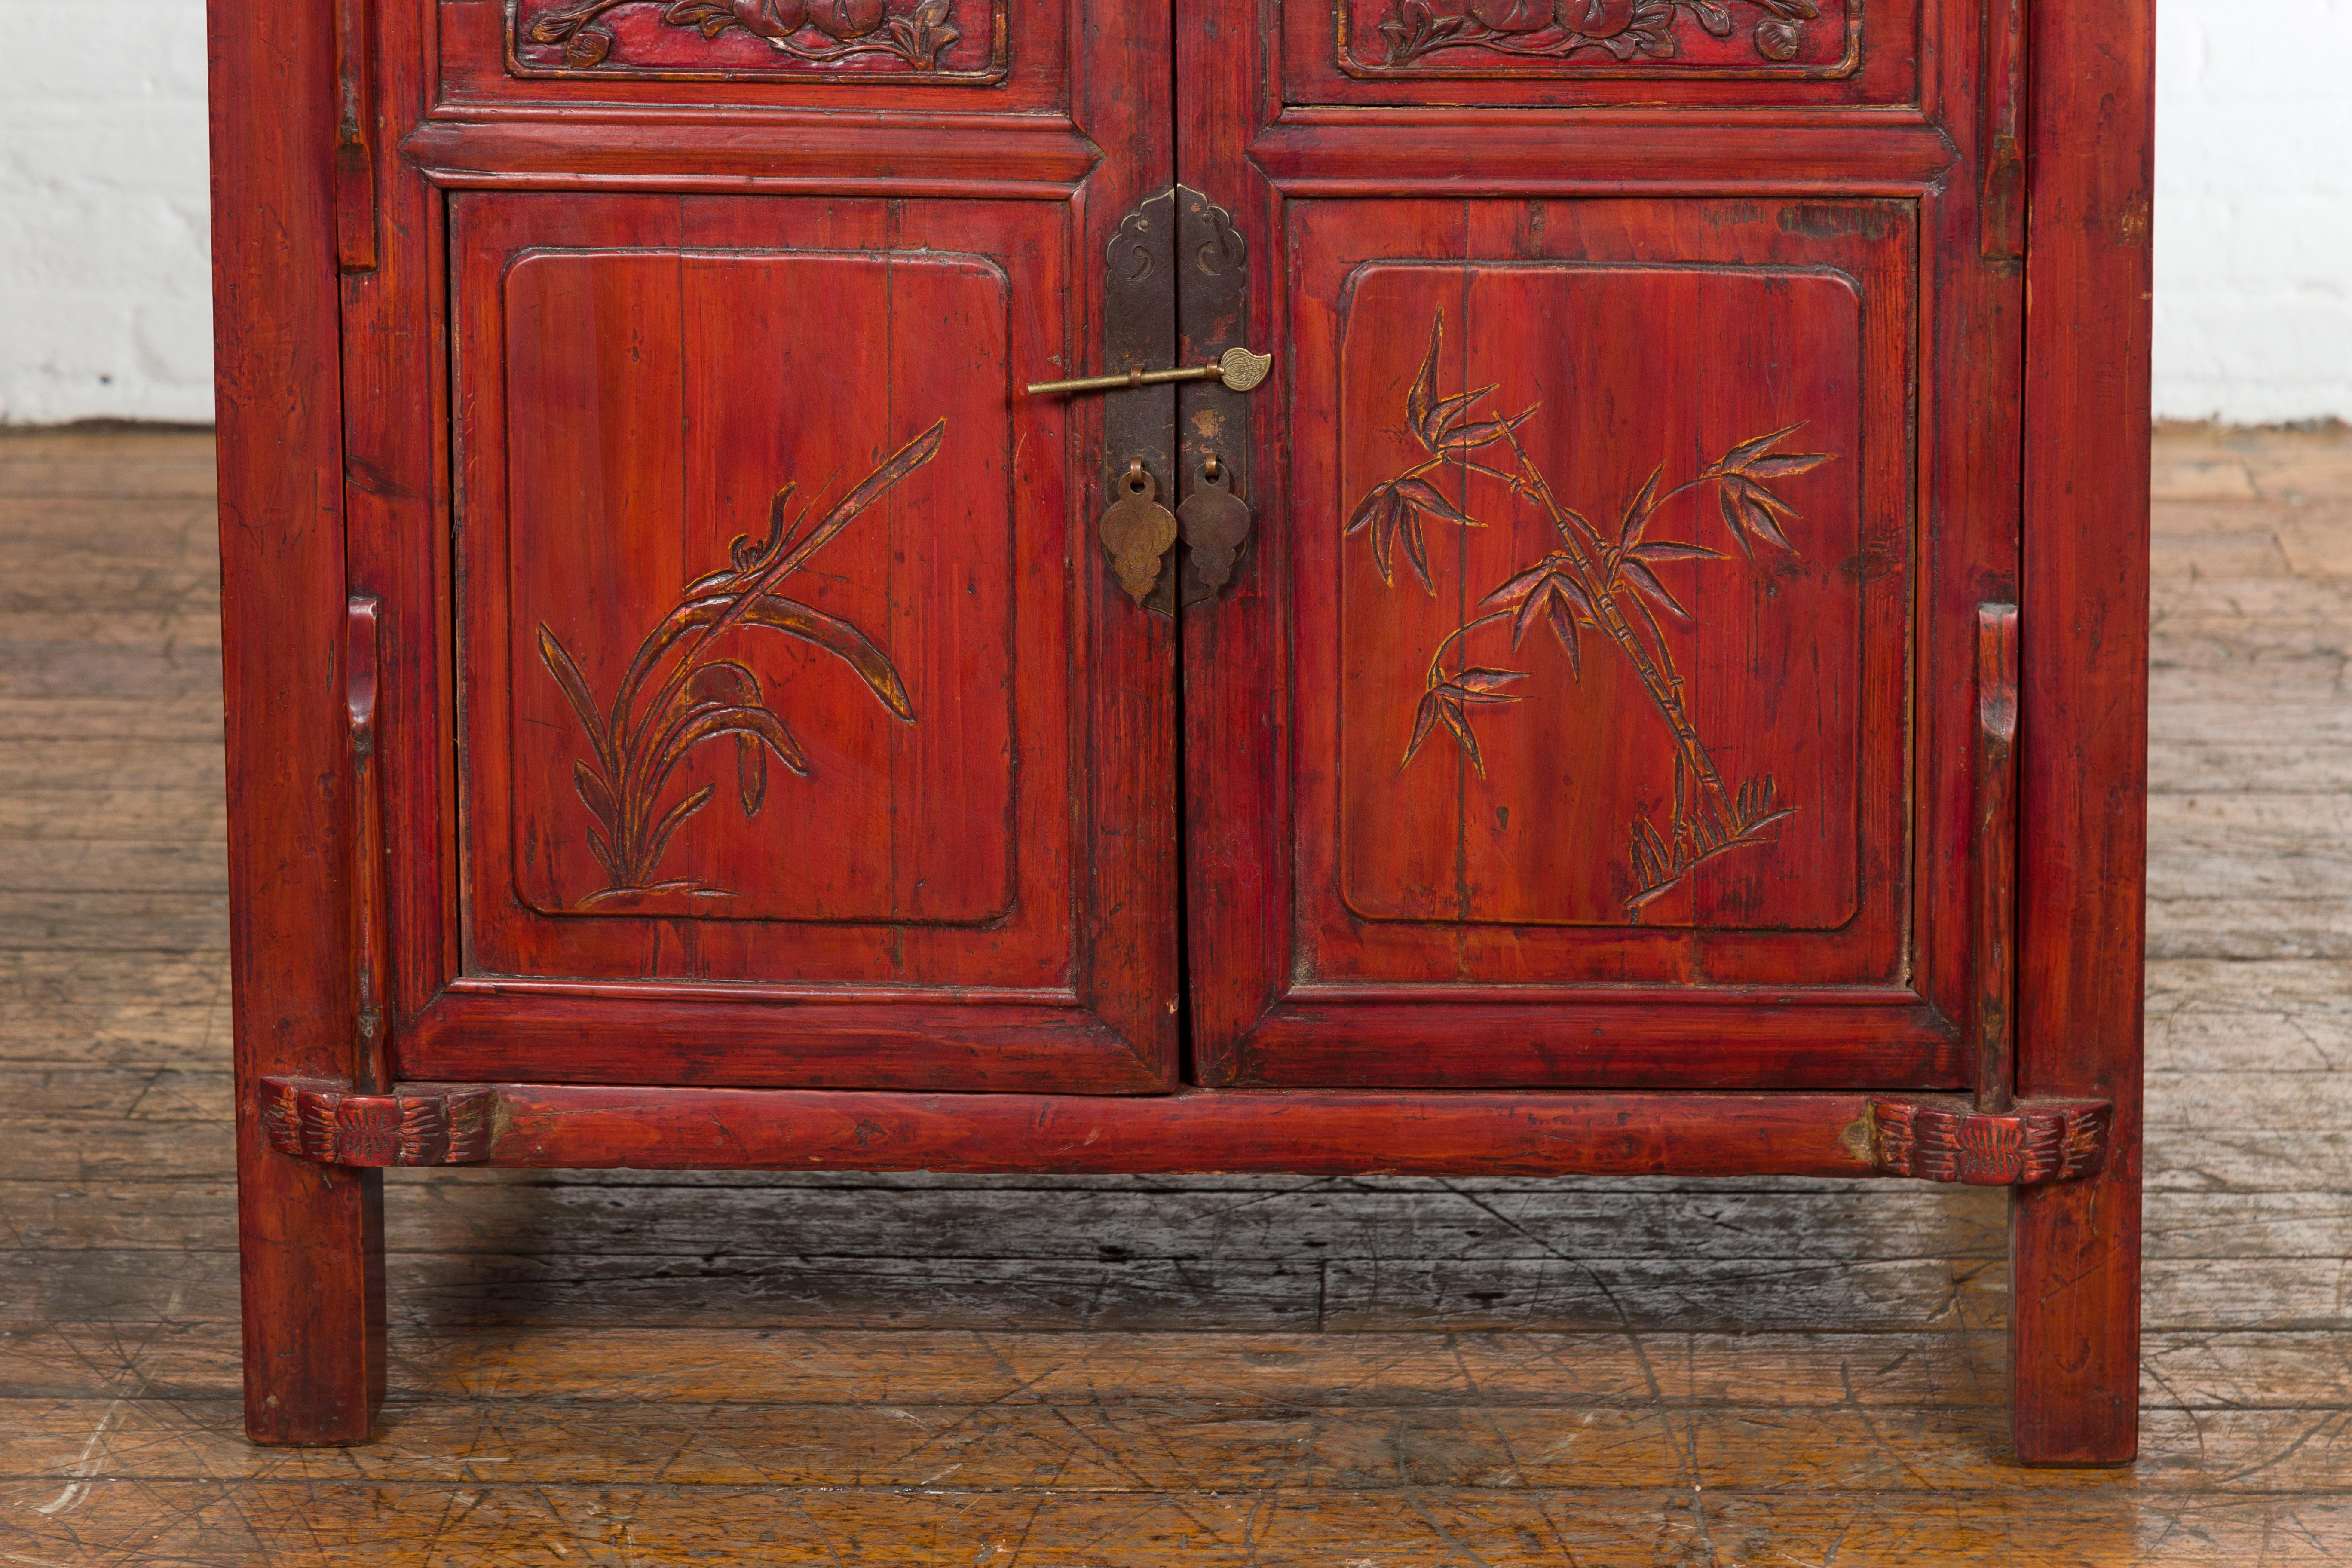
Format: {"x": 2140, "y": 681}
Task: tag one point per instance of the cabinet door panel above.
{"x": 767, "y": 716}
{"x": 1596, "y": 710}
{"x": 904, "y": 819}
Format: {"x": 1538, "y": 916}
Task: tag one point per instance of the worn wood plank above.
{"x": 2180, "y": 548}
{"x": 158, "y": 534}
{"x": 2222, "y": 1016}
{"x": 32, "y": 983}
{"x": 191, "y": 723}
{"x": 1181, "y": 1442}
{"x": 456, "y": 1518}
{"x": 108, "y": 468}
{"x": 2188, "y": 767}
{"x": 114, "y": 866}
{"x": 150, "y": 667}
{"x": 125, "y": 921}
{"x": 452, "y": 1220}
{"x": 1888, "y": 1220}
{"x": 2194, "y": 461}
{"x": 119, "y": 763}
{"x": 132, "y": 1034}
{"x": 1240, "y": 1296}
{"x": 627, "y": 1366}
{"x": 172, "y": 632}
{"x": 135, "y": 815}
{"x": 2184, "y": 1370}
{"x": 2245, "y": 928}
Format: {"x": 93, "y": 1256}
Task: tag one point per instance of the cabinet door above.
{"x": 1598, "y": 710}
{"x": 759, "y": 709}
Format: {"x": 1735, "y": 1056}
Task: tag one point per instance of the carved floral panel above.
{"x": 1599, "y": 37}
{"x": 757, "y": 588}
{"x": 909, "y": 41}
{"x": 1601, "y": 627}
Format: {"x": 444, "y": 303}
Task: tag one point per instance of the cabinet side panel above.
{"x": 2083, "y": 732}
{"x": 312, "y": 1342}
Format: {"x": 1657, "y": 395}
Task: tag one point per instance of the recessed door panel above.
{"x": 1600, "y": 612}
{"x": 760, "y": 668}
{"x": 745, "y": 691}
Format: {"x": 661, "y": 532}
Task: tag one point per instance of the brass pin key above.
{"x": 1239, "y": 369}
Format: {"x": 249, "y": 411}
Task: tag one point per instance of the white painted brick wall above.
{"x": 103, "y": 274}
{"x": 2254, "y": 209}
{"x": 105, "y": 280}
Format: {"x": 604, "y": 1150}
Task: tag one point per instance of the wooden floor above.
{"x": 653, "y": 1370}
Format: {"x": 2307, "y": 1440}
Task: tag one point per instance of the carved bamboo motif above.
{"x": 1587, "y": 580}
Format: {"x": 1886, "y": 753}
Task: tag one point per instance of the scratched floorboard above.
{"x": 622, "y": 1368}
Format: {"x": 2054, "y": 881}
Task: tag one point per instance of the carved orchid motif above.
{"x": 1625, "y": 30}
{"x": 809, "y": 32}
{"x": 701, "y": 697}
{"x": 1598, "y": 579}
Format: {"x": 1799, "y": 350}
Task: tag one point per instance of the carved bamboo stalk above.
{"x": 1665, "y": 692}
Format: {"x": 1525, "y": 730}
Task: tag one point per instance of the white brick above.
{"x": 2253, "y": 210}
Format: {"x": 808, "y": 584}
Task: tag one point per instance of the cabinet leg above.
{"x": 2073, "y": 1321}
{"x": 311, "y": 1247}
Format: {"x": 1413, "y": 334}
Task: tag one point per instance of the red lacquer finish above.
{"x": 2083, "y": 724}
{"x": 1319, "y": 1133}
{"x": 2025, "y": 1146}
{"x": 1995, "y": 954}
{"x": 321, "y": 1121}
{"x": 310, "y": 1234}
{"x": 683, "y": 711}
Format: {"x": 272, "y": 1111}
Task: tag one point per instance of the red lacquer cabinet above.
{"x": 1631, "y": 660}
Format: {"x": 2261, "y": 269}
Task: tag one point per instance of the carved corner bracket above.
{"x": 313, "y": 1119}
{"x": 2025, "y": 1146}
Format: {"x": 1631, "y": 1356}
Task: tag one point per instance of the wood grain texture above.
{"x": 592, "y": 1325}
{"x": 1993, "y": 947}
{"x": 1307, "y": 1133}
{"x": 314, "y": 1338}
{"x": 2083, "y": 596}
{"x": 1325, "y": 1133}
{"x": 1412, "y": 904}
